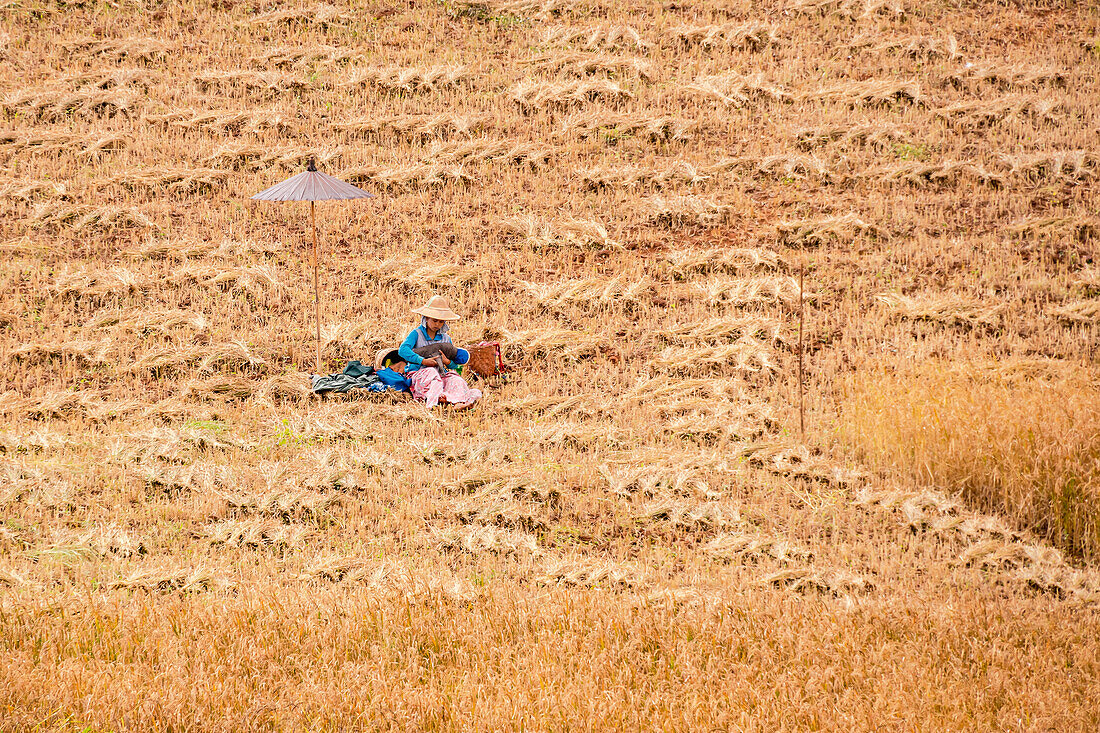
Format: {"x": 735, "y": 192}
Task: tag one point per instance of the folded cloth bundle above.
{"x": 354, "y": 376}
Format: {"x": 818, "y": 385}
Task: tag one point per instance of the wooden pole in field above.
{"x": 316, "y": 285}
{"x": 801, "y": 406}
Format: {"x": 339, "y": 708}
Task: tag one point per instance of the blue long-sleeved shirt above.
{"x": 419, "y": 334}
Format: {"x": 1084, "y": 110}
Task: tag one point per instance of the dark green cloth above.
{"x": 354, "y": 376}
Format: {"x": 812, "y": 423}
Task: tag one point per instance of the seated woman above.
{"x": 428, "y": 352}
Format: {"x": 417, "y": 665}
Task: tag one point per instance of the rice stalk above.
{"x": 532, "y": 94}
{"x": 684, "y": 211}
{"x": 541, "y": 235}
{"x": 755, "y": 36}
{"x": 409, "y": 79}
{"x": 596, "y": 38}
{"x": 943, "y": 308}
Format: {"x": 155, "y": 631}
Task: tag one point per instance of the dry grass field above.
{"x": 631, "y": 533}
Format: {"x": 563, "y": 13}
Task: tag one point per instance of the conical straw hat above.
{"x": 437, "y": 307}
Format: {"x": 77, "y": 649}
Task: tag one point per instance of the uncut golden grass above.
{"x": 164, "y": 471}
{"x": 1031, "y": 456}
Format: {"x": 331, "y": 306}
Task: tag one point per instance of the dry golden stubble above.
{"x": 88, "y": 218}
{"x": 227, "y": 355}
{"x": 115, "y": 77}
{"x": 981, "y": 113}
{"x": 755, "y": 36}
{"x": 943, "y": 173}
{"x": 1044, "y": 265}
{"x": 879, "y": 135}
{"x": 420, "y": 273}
{"x": 485, "y": 150}
{"x": 554, "y": 343}
{"x": 779, "y": 165}
{"x": 797, "y": 461}
{"x": 224, "y": 121}
{"x": 659, "y": 389}
{"x": 36, "y": 441}
{"x": 1079, "y": 228}
{"x": 147, "y": 50}
{"x": 750, "y": 547}
{"x": 540, "y": 235}
{"x": 321, "y": 15}
{"x": 83, "y": 282}
{"x": 587, "y": 64}
{"x": 1082, "y": 312}
{"x": 264, "y": 84}
{"x": 104, "y": 541}
{"x": 593, "y": 573}
{"x": 869, "y": 92}
{"x": 748, "y": 291}
{"x": 734, "y": 89}
{"x": 51, "y": 405}
{"x": 51, "y": 141}
{"x": 688, "y": 517}
{"x": 408, "y": 79}
{"x": 596, "y": 38}
{"x": 532, "y": 95}
{"x": 929, "y": 47}
{"x": 612, "y": 127}
{"x": 837, "y": 582}
{"x": 683, "y": 264}
{"x": 1005, "y": 76}
{"x": 577, "y": 436}
{"x": 30, "y": 191}
{"x": 581, "y": 405}
{"x": 220, "y": 386}
{"x": 476, "y": 539}
{"x": 389, "y": 578}
{"x": 756, "y": 327}
{"x": 257, "y": 534}
{"x": 597, "y": 292}
{"x": 420, "y": 127}
{"x": 678, "y": 173}
{"x": 84, "y": 353}
{"x": 411, "y": 177}
{"x": 630, "y": 480}
{"x": 1070, "y": 166}
{"x": 944, "y": 308}
{"x": 518, "y": 9}
{"x": 253, "y": 156}
{"x": 745, "y": 355}
{"x": 174, "y": 180}
{"x": 254, "y": 279}
{"x": 168, "y": 579}
{"x": 159, "y": 320}
{"x": 853, "y": 10}
{"x": 674, "y": 212}
{"x": 305, "y": 56}
{"x": 59, "y": 105}
{"x": 830, "y": 230}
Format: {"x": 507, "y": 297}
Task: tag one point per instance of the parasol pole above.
{"x": 316, "y": 284}
{"x": 311, "y": 186}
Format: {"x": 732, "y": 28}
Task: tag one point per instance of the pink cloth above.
{"x": 427, "y": 385}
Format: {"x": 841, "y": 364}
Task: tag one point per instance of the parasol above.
{"x": 311, "y": 186}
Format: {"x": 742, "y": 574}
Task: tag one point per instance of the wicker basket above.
{"x": 485, "y": 359}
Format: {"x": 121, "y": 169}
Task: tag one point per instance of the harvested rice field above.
{"x": 659, "y": 209}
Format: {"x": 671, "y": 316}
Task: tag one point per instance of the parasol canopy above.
{"x": 311, "y": 186}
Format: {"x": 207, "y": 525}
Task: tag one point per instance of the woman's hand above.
{"x": 433, "y": 361}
